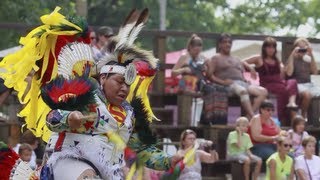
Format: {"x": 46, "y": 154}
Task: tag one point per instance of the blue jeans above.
{"x": 264, "y": 150}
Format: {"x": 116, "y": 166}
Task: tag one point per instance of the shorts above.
{"x": 242, "y": 157}
{"x": 237, "y": 87}
{"x": 310, "y": 87}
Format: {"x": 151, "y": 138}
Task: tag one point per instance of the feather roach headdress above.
{"x": 124, "y": 53}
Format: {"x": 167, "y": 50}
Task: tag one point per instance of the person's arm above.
{"x": 255, "y": 126}
{"x": 301, "y": 174}
{"x": 239, "y": 139}
{"x": 291, "y": 173}
{"x": 273, "y": 167}
{"x": 150, "y": 155}
{"x": 282, "y": 70}
{"x": 313, "y": 64}
{"x": 290, "y": 66}
{"x": 178, "y": 68}
{"x": 63, "y": 120}
{"x": 211, "y": 76}
{"x": 300, "y": 168}
{"x": 208, "y": 157}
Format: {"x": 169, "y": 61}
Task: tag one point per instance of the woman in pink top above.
{"x": 264, "y": 132}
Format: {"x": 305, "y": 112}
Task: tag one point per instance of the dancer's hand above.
{"x": 75, "y": 119}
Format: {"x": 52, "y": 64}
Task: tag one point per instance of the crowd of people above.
{"x": 258, "y": 137}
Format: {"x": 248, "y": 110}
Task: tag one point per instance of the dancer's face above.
{"x": 115, "y": 89}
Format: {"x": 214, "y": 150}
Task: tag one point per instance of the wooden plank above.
{"x": 160, "y": 53}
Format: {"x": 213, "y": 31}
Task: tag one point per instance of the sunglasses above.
{"x": 287, "y": 145}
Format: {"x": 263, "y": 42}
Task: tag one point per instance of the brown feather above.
{"x": 132, "y": 17}
{"x": 143, "y": 17}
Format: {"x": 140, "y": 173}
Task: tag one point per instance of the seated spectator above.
{"x": 29, "y": 138}
{"x": 227, "y": 70}
{"x": 25, "y": 152}
{"x": 279, "y": 164}
{"x": 297, "y": 134}
{"x": 239, "y": 144}
{"x": 271, "y": 76}
{"x": 307, "y": 165}
{"x": 191, "y": 67}
{"x": 264, "y": 132}
{"x": 300, "y": 65}
{"x": 187, "y": 141}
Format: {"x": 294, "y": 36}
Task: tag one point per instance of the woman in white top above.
{"x": 187, "y": 141}
{"x": 307, "y": 165}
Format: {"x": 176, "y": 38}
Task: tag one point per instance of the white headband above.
{"x": 129, "y": 72}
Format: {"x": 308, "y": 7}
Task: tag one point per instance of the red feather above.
{"x": 68, "y": 89}
{"x": 8, "y": 159}
{"x": 144, "y": 69}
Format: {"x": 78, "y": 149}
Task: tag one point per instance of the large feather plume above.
{"x": 73, "y": 60}
{"x": 121, "y": 47}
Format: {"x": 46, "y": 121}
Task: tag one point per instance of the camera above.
{"x": 302, "y": 50}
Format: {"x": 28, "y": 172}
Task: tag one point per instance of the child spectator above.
{"x": 25, "y": 152}
{"x": 239, "y": 144}
{"x": 297, "y": 134}
{"x": 29, "y": 138}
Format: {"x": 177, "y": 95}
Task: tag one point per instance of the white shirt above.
{"x": 313, "y": 164}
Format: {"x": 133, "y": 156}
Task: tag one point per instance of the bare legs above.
{"x": 260, "y": 95}
{"x": 305, "y": 102}
{"x": 246, "y": 169}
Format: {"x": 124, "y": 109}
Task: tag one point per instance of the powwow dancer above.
{"x": 91, "y": 122}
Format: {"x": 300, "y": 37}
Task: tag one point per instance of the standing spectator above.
{"x": 271, "y": 76}
{"x": 307, "y": 165}
{"x": 279, "y": 164}
{"x": 187, "y": 141}
{"x": 264, "y": 132}
{"x": 29, "y": 138}
{"x": 239, "y": 144}
{"x": 297, "y": 134}
{"x": 227, "y": 70}
{"x": 301, "y": 64}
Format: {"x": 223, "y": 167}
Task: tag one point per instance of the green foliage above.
{"x": 27, "y": 12}
{"x": 251, "y": 17}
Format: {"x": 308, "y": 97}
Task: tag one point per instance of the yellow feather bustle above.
{"x": 141, "y": 90}
{"x": 39, "y": 44}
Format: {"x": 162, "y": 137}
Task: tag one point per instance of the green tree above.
{"x": 27, "y": 12}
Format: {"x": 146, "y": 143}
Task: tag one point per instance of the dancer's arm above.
{"x": 150, "y": 155}
{"x": 70, "y": 121}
